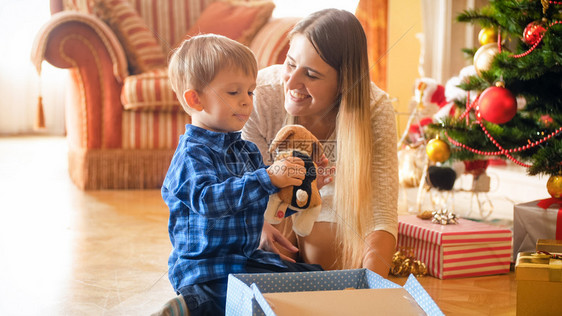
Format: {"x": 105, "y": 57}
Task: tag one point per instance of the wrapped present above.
{"x": 539, "y": 284}
{"x": 549, "y": 245}
{"x": 541, "y": 219}
{"x": 343, "y": 292}
{"x": 465, "y": 249}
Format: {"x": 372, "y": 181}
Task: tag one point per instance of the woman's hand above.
{"x": 324, "y": 173}
{"x": 271, "y": 238}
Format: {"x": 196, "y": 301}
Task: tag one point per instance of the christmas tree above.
{"x": 513, "y": 108}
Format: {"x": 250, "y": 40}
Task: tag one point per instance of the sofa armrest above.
{"x": 271, "y": 43}
{"x": 98, "y": 66}
{"x": 53, "y": 31}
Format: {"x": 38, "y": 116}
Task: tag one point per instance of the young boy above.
{"x": 217, "y": 186}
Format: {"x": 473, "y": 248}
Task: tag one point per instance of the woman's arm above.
{"x": 384, "y": 165}
{"x": 381, "y": 242}
{"x": 379, "y": 249}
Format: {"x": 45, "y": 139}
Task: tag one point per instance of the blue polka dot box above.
{"x": 343, "y": 292}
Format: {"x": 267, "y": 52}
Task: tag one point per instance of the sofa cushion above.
{"x": 271, "y": 44}
{"x": 142, "y": 49}
{"x": 149, "y": 91}
{"x": 170, "y": 19}
{"x": 237, "y": 20}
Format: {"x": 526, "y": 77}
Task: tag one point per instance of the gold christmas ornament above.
{"x": 554, "y": 186}
{"x": 487, "y": 35}
{"x": 437, "y": 150}
{"x": 484, "y": 56}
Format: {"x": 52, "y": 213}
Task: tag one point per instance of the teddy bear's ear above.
{"x": 281, "y": 137}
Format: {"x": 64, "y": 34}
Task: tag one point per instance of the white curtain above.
{"x": 20, "y": 21}
{"x": 443, "y": 38}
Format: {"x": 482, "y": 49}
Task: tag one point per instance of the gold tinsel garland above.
{"x": 404, "y": 263}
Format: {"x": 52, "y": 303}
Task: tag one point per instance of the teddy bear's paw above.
{"x": 274, "y": 206}
{"x": 303, "y": 222}
{"x": 302, "y": 228}
{"x": 275, "y": 216}
{"x": 302, "y": 197}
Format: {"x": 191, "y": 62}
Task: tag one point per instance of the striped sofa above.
{"x": 122, "y": 123}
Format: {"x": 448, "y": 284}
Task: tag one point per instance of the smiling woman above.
{"x": 19, "y": 82}
{"x": 324, "y": 86}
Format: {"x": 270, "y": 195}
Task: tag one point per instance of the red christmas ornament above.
{"x": 497, "y": 105}
{"x": 533, "y": 32}
{"x": 546, "y": 120}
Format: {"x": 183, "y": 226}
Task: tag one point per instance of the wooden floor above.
{"x": 68, "y": 252}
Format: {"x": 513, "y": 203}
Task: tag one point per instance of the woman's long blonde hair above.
{"x": 339, "y": 39}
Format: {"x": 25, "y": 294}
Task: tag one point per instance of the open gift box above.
{"x": 539, "y": 284}
{"x": 344, "y": 292}
{"x": 465, "y": 249}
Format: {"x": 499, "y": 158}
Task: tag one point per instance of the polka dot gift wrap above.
{"x": 244, "y": 295}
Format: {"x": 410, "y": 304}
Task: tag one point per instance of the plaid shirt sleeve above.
{"x": 215, "y": 186}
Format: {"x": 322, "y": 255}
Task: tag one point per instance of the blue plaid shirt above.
{"x": 217, "y": 190}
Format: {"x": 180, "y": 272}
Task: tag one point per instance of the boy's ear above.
{"x": 192, "y": 99}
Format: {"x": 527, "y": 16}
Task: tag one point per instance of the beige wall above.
{"x": 405, "y": 21}
{"x": 445, "y": 39}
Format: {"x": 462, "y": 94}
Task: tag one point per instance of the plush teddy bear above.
{"x": 296, "y": 141}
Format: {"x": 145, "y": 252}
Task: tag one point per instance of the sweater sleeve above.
{"x": 384, "y": 163}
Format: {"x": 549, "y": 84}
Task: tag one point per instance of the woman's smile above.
{"x": 298, "y": 96}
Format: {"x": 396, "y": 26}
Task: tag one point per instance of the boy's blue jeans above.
{"x": 209, "y": 298}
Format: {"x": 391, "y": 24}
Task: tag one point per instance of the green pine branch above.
{"x": 535, "y": 78}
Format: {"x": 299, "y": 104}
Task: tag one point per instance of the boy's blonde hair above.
{"x": 196, "y": 62}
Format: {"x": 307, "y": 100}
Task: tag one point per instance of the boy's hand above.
{"x": 287, "y": 172}
{"x": 271, "y": 240}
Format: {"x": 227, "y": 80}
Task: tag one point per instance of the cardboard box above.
{"x": 344, "y": 292}
{"x": 532, "y": 221}
{"x": 539, "y": 284}
{"x": 465, "y": 249}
